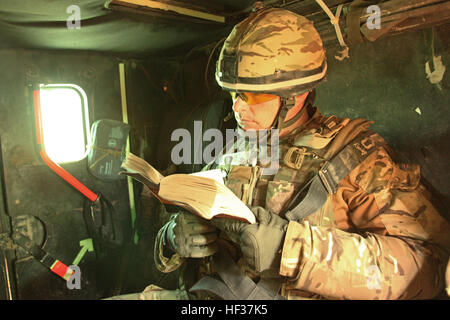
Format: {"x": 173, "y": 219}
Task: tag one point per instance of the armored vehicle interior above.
{"x": 145, "y": 68}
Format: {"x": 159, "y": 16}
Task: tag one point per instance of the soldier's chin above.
{"x": 250, "y": 125}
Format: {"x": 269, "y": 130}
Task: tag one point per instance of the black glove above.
{"x": 191, "y": 236}
{"x": 261, "y": 243}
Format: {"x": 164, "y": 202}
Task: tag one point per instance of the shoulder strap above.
{"x": 329, "y": 176}
{"x": 236, "y": 285}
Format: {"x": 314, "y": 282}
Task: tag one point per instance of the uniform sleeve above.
{"x": 388, "y": 242}
{"x": 162, "y": 261}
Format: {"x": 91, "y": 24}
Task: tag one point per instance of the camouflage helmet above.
{"x": 272, "y": 51}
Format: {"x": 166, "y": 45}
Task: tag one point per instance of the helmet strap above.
{"x": 286, "y": 105}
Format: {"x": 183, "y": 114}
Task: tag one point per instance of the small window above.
{"x": 65, "y": 122}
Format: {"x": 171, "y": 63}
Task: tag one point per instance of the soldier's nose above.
{"x": 240, "y": 106}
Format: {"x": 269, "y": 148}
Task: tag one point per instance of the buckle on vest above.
{"x": 327, "y": 179}
{"x": 299, "y": 154}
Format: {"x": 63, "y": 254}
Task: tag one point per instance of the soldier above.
{"x": 340, "y": 219}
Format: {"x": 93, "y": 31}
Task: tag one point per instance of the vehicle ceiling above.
{"x": 42, "y": 24}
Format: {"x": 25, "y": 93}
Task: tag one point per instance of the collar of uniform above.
{"x": 318, "y": 131}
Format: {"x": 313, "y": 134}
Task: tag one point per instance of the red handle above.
{"x": 52, "y": 165}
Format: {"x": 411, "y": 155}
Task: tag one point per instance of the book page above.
{"x": 215, "y": 174}
{"x": 134, "y": 164}
{"x": 206, "y": 196}
{"x": 202, "y": 193}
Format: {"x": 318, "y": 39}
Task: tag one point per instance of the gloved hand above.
{"x": 191, "y": 236}
{"x": 261, "y": 243}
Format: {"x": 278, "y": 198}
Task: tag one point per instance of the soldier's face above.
{"x": 251, "y": 114}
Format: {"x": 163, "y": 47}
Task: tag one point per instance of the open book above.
{"x": 198, "y": 193}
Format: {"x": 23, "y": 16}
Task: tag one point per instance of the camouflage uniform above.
{"x": 377, "y": 237}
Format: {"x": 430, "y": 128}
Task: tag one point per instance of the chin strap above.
{"x": 286, "y": 105}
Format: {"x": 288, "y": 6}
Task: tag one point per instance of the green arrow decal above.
{"x": 86, "y": 245}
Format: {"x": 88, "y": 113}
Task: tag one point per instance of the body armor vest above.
{"x": 301, "y": 155}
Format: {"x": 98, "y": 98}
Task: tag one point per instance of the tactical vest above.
{"x": 301, "y": 156}
{"x": 313, "y": 161}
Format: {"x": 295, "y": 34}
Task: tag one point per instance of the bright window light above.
{"x": 65, "y": 122}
